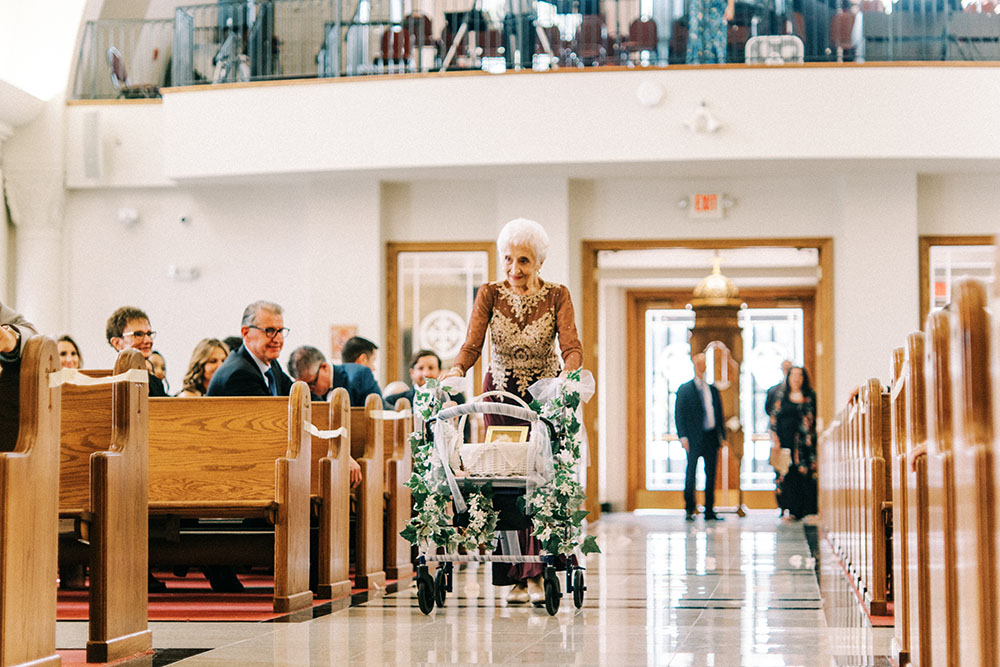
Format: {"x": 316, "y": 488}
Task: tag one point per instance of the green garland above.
{"x": 431, "y": 524}
{"x": 554, "y": 506}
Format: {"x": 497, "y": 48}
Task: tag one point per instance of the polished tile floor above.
{"x": 750, "y": 591}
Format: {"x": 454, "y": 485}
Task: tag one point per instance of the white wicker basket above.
{"x": 494, "y": 459}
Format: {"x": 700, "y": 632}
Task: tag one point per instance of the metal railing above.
{"x": 254, "y": 40}
{"x": 145, "y": 47}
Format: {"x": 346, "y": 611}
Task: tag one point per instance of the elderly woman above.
{"x": 524, "y": 314}
{"x": 208, "y": 355}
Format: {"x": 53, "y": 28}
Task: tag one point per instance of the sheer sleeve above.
{"x": 482, "y": 311}
{"x": 569, "y": 341}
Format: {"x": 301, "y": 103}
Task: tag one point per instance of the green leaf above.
{"x": 409, "y": 533}
{"x": 578, "y": 516}
{"x": 589, "y": 546}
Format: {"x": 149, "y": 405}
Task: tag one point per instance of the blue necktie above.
{"x": 272, "y": 386}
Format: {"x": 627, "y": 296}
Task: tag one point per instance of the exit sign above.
{"x": 706, "y": 205}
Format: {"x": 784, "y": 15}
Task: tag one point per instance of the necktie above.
{"x": 272, "y": 386}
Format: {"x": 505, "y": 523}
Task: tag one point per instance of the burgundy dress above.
{"x": 523, "y": 331}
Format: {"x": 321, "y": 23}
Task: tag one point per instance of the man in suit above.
{"x": 701, "y": 427}
{"x": 253, "y": 369}
{"x": 358, "y": 350}
{"x": 14, "y": 331}
{"x": 425, "y": 364}
{"x": 129, "y": 327}
{"x": 308, "y": 364}
{"x": 772, "y": 394}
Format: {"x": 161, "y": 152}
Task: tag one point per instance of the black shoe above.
{"x": 712, "y": 516}
{"x": 689, "y": 516}
{"x": 154, "y": 585}
{"x": 223, "y": 579}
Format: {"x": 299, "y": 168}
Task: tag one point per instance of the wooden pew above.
{"x": 399, "y": 505}
{"x": 236, "y": 457}
{"x": 975, "y": 476}
{"x": 29, "y": 516}
{"x": 367, "y": 450}
{"x": 940, "y": 645}
{"x": 103, "y": 488}
{"x": 877, "y": 444}
{"x": 330, "y": 488}
{"x": 901, "y": 379}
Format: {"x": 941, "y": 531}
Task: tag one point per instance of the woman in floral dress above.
{"x": 793, "y": 424}
{"x": 524, "y": 315}
{"x": 707, "y": 30}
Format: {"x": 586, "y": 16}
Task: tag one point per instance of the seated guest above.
{"x": 158, "y": 367}
{"x": 425, "y": 364}
{"x": 358, "y": 350}
{"x": 208, "y": 356}
{"x": 14, "y": 331}
{"x": 309, "y": 365}
{"x": 69, "y": 352}
{"x": 253, "y": 370}
{"x": 129, "y": 327}
{"x": 233, "y": 343}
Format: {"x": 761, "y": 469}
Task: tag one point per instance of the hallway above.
{"x": 745, "y": 591}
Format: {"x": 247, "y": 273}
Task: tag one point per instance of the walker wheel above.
{"x": 552, "y": 592}
{"x": 578, "y": 588}
{"x": 425, "y": 591}
{"x": 440, "y": 586}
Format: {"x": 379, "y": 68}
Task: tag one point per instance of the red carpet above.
{"x": 190, "y": 598}
{"x": 876, "y": 621}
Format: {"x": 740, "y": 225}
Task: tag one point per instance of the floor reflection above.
{"x": 749, "y": 591}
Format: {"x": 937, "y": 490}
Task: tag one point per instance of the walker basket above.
{"x": 494, "y": 459}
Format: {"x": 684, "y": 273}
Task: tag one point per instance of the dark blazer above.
{"x": 239, "y": 376}
{"x": 772, "y": 398}
{"x": 689, "y": 414}
{"x": 156, "y": 388}
{"x": 358, "y": 380}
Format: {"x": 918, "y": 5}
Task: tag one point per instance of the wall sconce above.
{"x": 703, "y": 121}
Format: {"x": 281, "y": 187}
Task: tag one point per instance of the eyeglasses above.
{"x": 139, "y": 335}
{"x": 312, "y": 383}
{"x": 271, "y": 332}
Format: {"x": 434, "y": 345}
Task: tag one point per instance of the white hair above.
{"x": 524, "y": 232}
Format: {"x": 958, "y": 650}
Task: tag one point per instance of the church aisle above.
{"x": 665, "y": 592}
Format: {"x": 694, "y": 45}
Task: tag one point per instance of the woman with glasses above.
{"x": 208, "y": 355}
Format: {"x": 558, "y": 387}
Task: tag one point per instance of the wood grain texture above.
{"x": 366, "y": 448}
{"x": 29, "y": 516}
{"x": 975, "y": 478}
{"x": 331, "y": 485}
{"x": 119, "y": 539}
{"x": 399, "y": 504}
{"x": 900, "y": 505}
{"x": 239, "y": 456}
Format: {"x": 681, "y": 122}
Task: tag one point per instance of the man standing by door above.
{"x": 701, "y": 427}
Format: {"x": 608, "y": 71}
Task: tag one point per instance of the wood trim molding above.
{"x": 637, "y": 301}
{"x": 393, "y": 353}
{"x": 925, "y": 263}
{"x": 823, "y": 376}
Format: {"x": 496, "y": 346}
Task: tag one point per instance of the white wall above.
{"x": 959, "y": 203}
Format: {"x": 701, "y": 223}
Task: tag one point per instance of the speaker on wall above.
{"x": 93, "y": 154}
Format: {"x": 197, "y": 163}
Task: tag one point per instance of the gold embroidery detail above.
{"x": 527, "y": 352}
{"x": 521, "y": 304}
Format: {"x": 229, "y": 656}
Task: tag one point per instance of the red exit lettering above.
{"x": 706, "y": 203}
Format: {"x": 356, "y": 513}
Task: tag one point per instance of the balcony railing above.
{"x": 144, "y": 48}
{"x": 257, "y": 40}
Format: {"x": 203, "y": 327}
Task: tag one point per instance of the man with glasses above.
{"x": 129, "y": 327}
{"x": 253, "y": 369}
{"x": 308, "y": 364}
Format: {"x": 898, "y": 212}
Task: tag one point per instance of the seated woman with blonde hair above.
{"x": 208, "y": 355}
